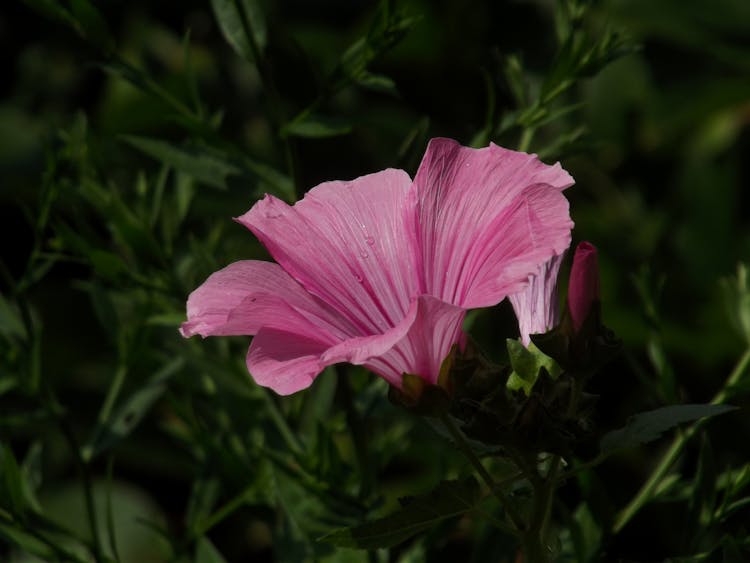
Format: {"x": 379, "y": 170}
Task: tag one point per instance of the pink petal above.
{"x": 287, "y": 362}
{"x": 250, "y": 294}
{"x": 417, "y": 345}
{"x": 284, "y": 361}
{"x": 348, "y": 243}
{"x": 537, "y": 306}
{"x": 487, "y": 218}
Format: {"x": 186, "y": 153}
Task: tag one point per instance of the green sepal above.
{"x": 527, "y": 364}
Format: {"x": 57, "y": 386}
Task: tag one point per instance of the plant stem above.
{"x": 484, "y": 474}
{"x": 280, "y": 422}
{"x": 646, "y": 492}
{"x": 526, "y": 136}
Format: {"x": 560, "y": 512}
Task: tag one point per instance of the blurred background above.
{"x": 132, "y": 132}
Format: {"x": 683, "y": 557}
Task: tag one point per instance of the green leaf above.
{"x": 648, "y": 426}
{"x": 527, "y": 365}
{"x": 736, "y": 293}
{"x": 92, "y": 25}
{"x": 10, "y": 319}
{"x": 377, "y": 83}
{"x": 202, "y": 163}
{"x": 207, "y": 553}
{"x": 243, "y": 26}
{"x": 110, "y": 431}
{"x": 420, "y": 513}
{"x": 317, "y": 126}
{"x": 53, "y": 10}
{"x": 16, "y": 492}
{"x": 28, "y": 543}
{"x": 211, "y": 166}
{"x": 586, "y": 533}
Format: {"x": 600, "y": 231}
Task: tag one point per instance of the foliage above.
{"x": 133, "y": 133}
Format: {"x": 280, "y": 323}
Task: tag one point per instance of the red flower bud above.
{"x": 583, "y": 288}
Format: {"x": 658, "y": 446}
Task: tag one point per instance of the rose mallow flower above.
{"x": 380, "y": 271}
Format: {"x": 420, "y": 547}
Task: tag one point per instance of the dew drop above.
{"x": 363, "y": 253}
{"x": 272, "y": 214}
{"x": 370, "y": 241}
{"x": 359, "y": 278}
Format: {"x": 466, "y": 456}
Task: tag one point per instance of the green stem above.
{"x": 646, "y": 492}
{"x": 484, "y": 474}
{"x": 112, "y": 394}
{"x": 110, "y": 513}
{"x": 88, "y": 487}
{"x": 358, "y": 433}
{"x": 280, "y": 422}
{"x": 228, "y": 508}
{"x": 526, "y": 137}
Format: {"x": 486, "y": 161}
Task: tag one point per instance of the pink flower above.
{"x": 380, "y": 271}
{"x": 583, "y": 286}
{"x": 536, "y": 307}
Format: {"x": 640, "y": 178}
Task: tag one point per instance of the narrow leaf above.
{"x": 205, "y": 165}
{"x": 243, "y": 26}
{"x": 127, "y": 417}
{"x": 317, "y": 126}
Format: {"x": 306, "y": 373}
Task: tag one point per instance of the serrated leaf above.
{"x": 648, "y": 426}
{"x": 317, "y": 126}
{"x": 243, "y": 26}
{"x": 448, "y": 499}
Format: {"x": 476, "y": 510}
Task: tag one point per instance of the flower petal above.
{"x": 417, "y": 345}
{"x": 488, "y": 217}
{"x": 250, "y": 294}
{"x": 284, "y": 361}
{"x": 346, "y": 243}
{"x": 537, "y": 307}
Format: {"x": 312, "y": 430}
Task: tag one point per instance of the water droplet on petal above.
{"x": 272, "y": 214}
{"x": 363, "y": 253}
{"x": 370, "y": 240}
{"x": 359, "y": 278}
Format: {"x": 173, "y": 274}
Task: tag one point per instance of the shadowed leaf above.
{"x": 420, "y": 513}
{"x": 648, "y": 426}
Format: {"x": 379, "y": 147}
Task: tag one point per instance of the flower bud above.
{"x": 583, "y": 287}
